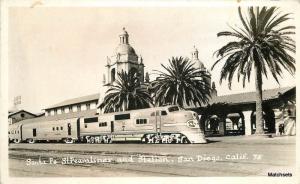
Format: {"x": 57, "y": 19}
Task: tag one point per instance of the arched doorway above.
{"x": 235, "y": 124}
{"x": 268, "y": 121}
{"x": 212, "y": 125}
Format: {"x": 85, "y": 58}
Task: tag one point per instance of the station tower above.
{"x": 199, "y": 64}
{"x": 124, "y": 59}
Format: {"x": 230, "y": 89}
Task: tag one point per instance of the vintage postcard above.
{"x": 164, "y": 92}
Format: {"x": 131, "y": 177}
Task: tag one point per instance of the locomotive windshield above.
{"x": 174, "y": 108}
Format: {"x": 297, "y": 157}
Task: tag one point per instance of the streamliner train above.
{"x": 168, "y": 124}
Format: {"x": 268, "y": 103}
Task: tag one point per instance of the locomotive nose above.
{"x": 195, "y": 116}
{"x": 194, "y": 121}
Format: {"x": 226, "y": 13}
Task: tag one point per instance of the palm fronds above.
{"x": 181, "y": 84}
{"x": 260, "y": 42}
{"x": 126, "y": 94}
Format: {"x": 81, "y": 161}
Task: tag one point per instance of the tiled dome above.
{"x": 125, "y": 49}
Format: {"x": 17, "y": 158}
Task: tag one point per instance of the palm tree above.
{"x": 126, "y": 94}
{"x": 262, "y": 43}
{"x": 180, "y": 84}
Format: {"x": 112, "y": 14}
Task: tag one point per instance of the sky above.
{"x": 58, "y": 53}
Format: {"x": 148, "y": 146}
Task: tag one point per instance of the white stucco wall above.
{"x": 247, "y": 116}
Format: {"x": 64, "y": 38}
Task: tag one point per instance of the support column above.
{"x": 278, "y": 119}
{"x": 247, "y": 116}
{"x": 222, "y": 124}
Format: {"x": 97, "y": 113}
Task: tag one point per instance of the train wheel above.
{"x": 157, "y": 139}
{"x": 31, "y": 141}
{"x": 144, "y": 140}
{"x": 151, "y": 140}
{"x": 166, "y": 139}
{"x": 170, "y": 140}
{"x": 176, "y": 138}
{"x": 69, "y": 141}
{"x": 184, "y": 140}
{"x": 17, "y": 141}
{"x": 101, "y": 141}
{"x": 108, "y": 141}
{"x": 187, "y": 141}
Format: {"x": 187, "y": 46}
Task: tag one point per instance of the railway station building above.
{"x": 73, "y": 106}
{"x": 235, "y": 114}
{"x": 19, "y": 115}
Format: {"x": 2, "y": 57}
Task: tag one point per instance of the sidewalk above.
{"x": 253, "y": 139}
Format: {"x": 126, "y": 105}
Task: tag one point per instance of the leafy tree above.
{"x": 126, "y": 93}
{"x": 181, "y": 84}
{"x": 263, "y": 45}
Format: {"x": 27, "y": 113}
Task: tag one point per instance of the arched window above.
{"x": 212, "y": 124}
{"x": 113, "y": 75}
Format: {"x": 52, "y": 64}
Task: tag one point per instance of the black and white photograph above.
{"x": 144, "y": 91}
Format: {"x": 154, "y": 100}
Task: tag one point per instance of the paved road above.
{"x": 223, "y": 156}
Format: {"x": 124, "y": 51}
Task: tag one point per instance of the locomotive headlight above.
{"x": 192, "y": 123}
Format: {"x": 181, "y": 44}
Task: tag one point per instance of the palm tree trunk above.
{"x": 124, "y": 106}
{"x": 259, "y": 111}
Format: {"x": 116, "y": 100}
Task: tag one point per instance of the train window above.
{"x": 141, "y": 121}
{"x": 70, "y": 109}
{"x": 91, "y": 120}
{"x": 152, "y": 114}
{"x": 88, "y": 106}
{"x": 55, "y": 111}
{"x": 85, "y": 125}
{"x": 163, "y": 113}
{"x": 172, "y": 109}
{"x": 57, "y": 128}
{"x": 61, "y": 128}
{"x": 102, "y": 124}
{"x": 34, "y": 132}
{"x": 122, "y": 116}
{"x": 78, "y": 107}
{"x": 53, "y": 128}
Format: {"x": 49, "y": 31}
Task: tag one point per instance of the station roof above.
{"x": 239, "y": 98}
{"x": 245, "y": 98}
{"x": 249, "y": 97}
{"x": 69, "y": 115}
{"x": 88, "y": 98}
{"x": 20, "y": 111}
